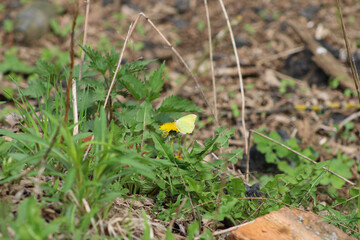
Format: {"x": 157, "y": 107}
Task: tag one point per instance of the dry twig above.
{"x": 211, "y": 60}
{"x": 354, "y": 72}
{"x": 75, "y": 107}
{"x": 245, "y": 133}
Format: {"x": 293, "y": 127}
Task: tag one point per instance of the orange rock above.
{"x": 288, "y": 224}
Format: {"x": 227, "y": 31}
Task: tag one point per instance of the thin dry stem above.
{"x": 70, "y": 194}
{"x": 88, "y": 209}
{"x": 348, "y": 50}
{"x": 349, "y": 119}
{"x": 75, "y": 106}
{"x": 182, "y": 61}
{"x": 131, "y": 29}
{"x": 305, "y": 157}
{"x": 37, "y": 188}
{"x": 211, "y": 61}
{"x": 240, "y": 81}
{"x": 248, "y": 159}
{"x": 178, "y": 210}
{"x": 85, "y": 37}
{"x": 72, "y": 54}
{"x": 206, "y": 52}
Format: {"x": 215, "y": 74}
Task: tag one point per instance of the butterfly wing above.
{"x": 186, "y": 124}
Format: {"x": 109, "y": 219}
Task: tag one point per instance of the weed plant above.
{"x": 129, "y": 157}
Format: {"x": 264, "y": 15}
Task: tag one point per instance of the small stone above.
{"x": 309, "y": 12}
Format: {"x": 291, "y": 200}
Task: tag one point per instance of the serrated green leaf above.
{"x": 97, "y": 61}
{"x": 46, "y": 69}
{"x": 176, "y": 104}
{"x": 112, "y": 58}
{"x": 37, "y": 88}
{"x": 98, "y": 95}
{"x": 134, "y": 85}
{"x": 156, "y": 82}
{"x": 136, "y": 67}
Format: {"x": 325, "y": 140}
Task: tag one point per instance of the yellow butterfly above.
{"x": 186, "y": 124}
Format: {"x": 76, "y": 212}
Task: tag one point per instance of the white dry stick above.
{"x": 131, "y": 29}
{"x": 173, "y": 49}
{"x": 245, "y": 133}
{"x": 88, "y": 209}
{"x": 85, "y": 36}
{"x": 211, "y": 60}
{"x": 75, "y": 108}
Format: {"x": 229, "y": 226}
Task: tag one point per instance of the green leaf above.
{"x": 29, "y": 224}
{"x": 112, "y": 58}
{"x": 145, "y": 113}
{"x": 136, "y": 67}
{"x": 156, "y": 82}
{"x": 210, "y": 144}
{"x": 235, "y": 155}
{"x": 37, "y": 88}
{"x": 11, "y": 63}
{"x": 322, "y": 164}
{"x": 177, "y": 104}
{"x": 69, "y": 180}
{"x": 162, "y": 147}
{"x": 236, "y": 186}
{"x": 270, "y": 157}
{"x": 146, "y": 234}
{"x": 97, "y": 61}
{"x": 275, "y": 136}
{"x": 169, "y": 235}
{"x": 98, "y": 95}
{"x": 46, "y": 70}
{"x": 194, "y": 185}
{"x": 193, "y": 229}
{"x": 134, "y": 85}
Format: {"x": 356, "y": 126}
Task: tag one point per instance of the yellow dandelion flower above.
{"x": 168, "y": 127}
{"x": 178, "y": 156}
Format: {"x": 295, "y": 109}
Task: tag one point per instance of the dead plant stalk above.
{"x": 245, "y": 133}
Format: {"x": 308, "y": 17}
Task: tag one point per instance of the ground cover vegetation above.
{"x": 136, "y": 168}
